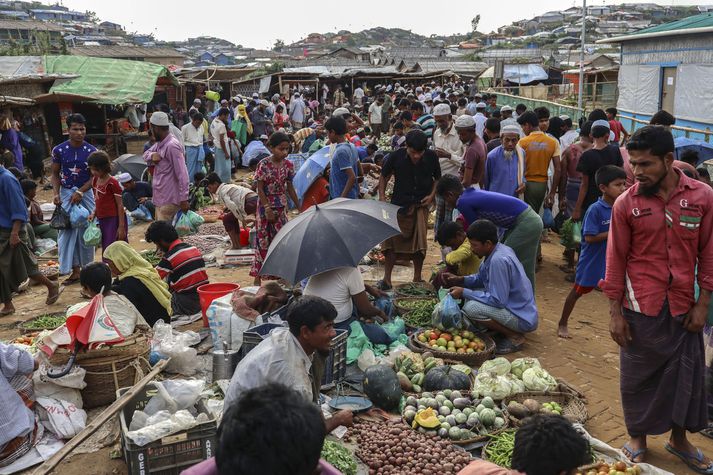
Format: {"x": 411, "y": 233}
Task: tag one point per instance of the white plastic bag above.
{"x": 62, "y": 418}
{"x": 226, "y": 325}
{"x": 65, "y": 388}
{"x": 177, "y": 346}
{"x": 163, "y": 424}
{"x": 175, "y": 395}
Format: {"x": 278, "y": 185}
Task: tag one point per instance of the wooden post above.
{"x": 594, "y": 92}
{"x": 279, "y": 85}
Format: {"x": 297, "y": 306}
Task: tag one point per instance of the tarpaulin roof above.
{"x": 106, "y": 80}
{"x": 519, "y": 73}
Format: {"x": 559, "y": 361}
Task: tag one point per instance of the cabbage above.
{"x": 516, "y": 385}
{"x": 492, "y": 385}
{"x": 499, "y": 365}
{"x": 537, "y": 379}
{"x": 521, "y": 364}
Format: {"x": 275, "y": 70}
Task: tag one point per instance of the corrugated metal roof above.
{"x": 704, "y": 20}
{"x": 29, "y": 25}
{"x": 14, "y": 69}
{"x": 125, "y": 52}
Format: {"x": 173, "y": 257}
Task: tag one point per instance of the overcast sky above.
{"x": 258, "y": 24}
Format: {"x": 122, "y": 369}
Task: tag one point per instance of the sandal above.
{"x": 53, "y": 299}
{"x": 708, "y": 431}
{"x": 692, "y": 460}
{"x": 632, "y": 454}
{"x": 506, "y": 346}
{"x": 381, "y": 285}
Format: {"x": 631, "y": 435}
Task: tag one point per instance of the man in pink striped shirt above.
{"x": 661, "y": 229}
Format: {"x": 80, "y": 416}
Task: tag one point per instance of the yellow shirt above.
{"x": 463, "y": 257}
{"x": 539, "y": 151}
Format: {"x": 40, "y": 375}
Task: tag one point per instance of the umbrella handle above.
{"x": 68, "y": 367}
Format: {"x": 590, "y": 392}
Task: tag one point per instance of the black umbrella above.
{"x": 336, "y": 234}
{"x": 129, "y": 163}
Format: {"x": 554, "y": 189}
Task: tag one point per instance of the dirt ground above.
{"x": 589, "y": 361}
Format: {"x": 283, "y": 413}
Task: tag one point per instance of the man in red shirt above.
{"x": 182, "y": 266}
{"x": 616, "y": 126}
{"x": 661, "y": 228}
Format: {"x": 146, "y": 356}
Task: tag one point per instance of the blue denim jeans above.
{"x": 373, "y": 332}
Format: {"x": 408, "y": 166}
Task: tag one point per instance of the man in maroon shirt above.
{"x": 661, "y": 228}
{"x": 473, "y": 166}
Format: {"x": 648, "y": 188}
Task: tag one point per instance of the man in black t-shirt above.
{"x": 416, "y": 171}
{"x": 602, "y": 153}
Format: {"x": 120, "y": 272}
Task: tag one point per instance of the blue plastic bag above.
{"x": 449, "y": 313}
{"x": 92, "y": 235}
{"x": 548, "y": 221}
{"x": 78, "y": 215}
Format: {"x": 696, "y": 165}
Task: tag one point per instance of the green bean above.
{"x": 46, "y": 321}
{"x": 500, "y": 447}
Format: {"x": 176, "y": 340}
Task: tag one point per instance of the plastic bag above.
{"x": 577, "y": 232}
{"x": 187, "y": 223}
{"x": 164, "y": 424}
{"x": 177, "y": 346}
{"x": 78, "y": 215}
{"x": 141, "y": 213}
{"x": 92, "y": 235}
{"x": 559, "y": 221}
{"x": 548, "y": 222}
{"x": 226, "y": 325}
{"x": 174, "y": 395}
{"x": 449, "y": 314}
{"x": 62, "y": 418}
{"x": 60, "y": 219}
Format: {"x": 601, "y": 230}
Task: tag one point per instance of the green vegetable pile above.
{"x": 417, "y": 312}
{"x": 50, "y": 320}
{"x": 414, "y": 290}
{"x": 500, "y": 447}
{"x": 152, "y": 257}
{"x": 340, "y": 457}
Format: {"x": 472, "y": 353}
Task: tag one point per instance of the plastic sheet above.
{"x": 177, "y": 346}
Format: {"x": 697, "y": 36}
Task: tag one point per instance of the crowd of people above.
{"x": 491, "y": 174}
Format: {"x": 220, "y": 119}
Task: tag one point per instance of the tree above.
{"x": 279, "y": 44}
{"x": 474, "y": 22}
{"x": 92, "y": 16}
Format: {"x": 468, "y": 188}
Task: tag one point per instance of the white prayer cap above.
{"x": 601, "y": 123}
{"x": 510, "y": 129}
{"x": 506, "y": 109}
{"x": 465, "y": 121}
{"x": 159, "y": 118}
{"x": 441, "y": 109}
{"x": 124, "y": 178}
{"x": 341, "y": 111}
{"x": 481, "y": 105}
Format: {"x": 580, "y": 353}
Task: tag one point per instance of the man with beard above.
{"x": 505, "y": 166}
{"x": 293, "y": 356}
{"x": 449, "y": 150}
{"x": 660, "y": 231}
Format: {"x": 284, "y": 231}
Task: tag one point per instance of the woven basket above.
{"x": 400, "y": 290}
{"x": 572, "y": 407}
{"x": 479, "y": 438}
{"x": 404, "y": 310}
{"x": 109, "y": 368}
{"x": 473, "y": 359}
{"x": 24, "y": 330}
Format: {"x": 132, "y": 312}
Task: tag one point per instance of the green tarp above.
{"x": 107, "y": 81}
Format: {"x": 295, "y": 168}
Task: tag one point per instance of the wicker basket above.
{"x": 472, "y": 359}
{"x": 400, "y": 290}
{"x": 109, "y": 368}
{"x": 404, "y": 310}
{"x": 23, "y": 326}
{"x": 572, "y": 407}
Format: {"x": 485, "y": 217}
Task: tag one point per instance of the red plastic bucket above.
{"x": 209, "y": 292}
{"x": 244, "y": 237}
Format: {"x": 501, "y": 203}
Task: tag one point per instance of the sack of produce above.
{"x": 92, "y": 235}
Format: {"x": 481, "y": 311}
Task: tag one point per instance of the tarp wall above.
{"x": 693, "y": 99}
{"x": 108, "y": 81}
{"x": 639, "y": 88}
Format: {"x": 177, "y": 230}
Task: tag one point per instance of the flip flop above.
{"x": 708, "y": 431}
{"x": 506, "y": 346}
{"x": 692, "y": 460}
{"x": 632, "y": 454}
{"x": 54, "y": 298}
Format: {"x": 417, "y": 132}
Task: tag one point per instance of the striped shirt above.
{"x": 654, "y": 245}
{"x": 183, "y": 267}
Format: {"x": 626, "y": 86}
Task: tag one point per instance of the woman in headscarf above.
{"x": 242, "y": 126}
{"x": 139, "y": 282}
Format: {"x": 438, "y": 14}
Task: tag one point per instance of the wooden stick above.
{"x": 92, "y": 427}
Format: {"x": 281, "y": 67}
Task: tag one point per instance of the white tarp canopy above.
{"x": 693, "y": 98}
{"x": 639, "y": 88}
{"x": 518, "y": 73}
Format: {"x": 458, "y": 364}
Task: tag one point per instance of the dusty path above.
{"x": 589, "y": 360}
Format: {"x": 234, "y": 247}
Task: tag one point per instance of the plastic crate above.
{"x": 335, "y": 368}
{"x": 171, "y": 454}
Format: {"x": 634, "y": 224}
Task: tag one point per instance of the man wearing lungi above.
{"x": 661, "y": 228}
{"x": 416, "y": 171}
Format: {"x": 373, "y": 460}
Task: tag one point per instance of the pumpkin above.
{"x": 445, "y": 377}
{"x": 382, "y": 387}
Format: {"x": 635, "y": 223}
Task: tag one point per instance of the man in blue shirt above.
{"x": 344, "y": 162}
{"x": 611, "y": 181}
{"x": 17, "y": 262}
{"x": 505, "y": 166}
{"x": 519, "y": 223}
{"x": 499, "y": 297}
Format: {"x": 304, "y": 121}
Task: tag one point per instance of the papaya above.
{"x": 427, "y": 419}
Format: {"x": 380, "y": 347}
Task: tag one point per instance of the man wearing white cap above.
{"x": 135, "y": 194}
{"x": 168, "y": 164}
{"x": 475, "y": 154}
{"x": 602, "y": 153}
{"x": 505, "y": 166}
{"x": 449, "y": 150}
{"x": 195, "y": 107}
{"x": 480, "y": 118}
